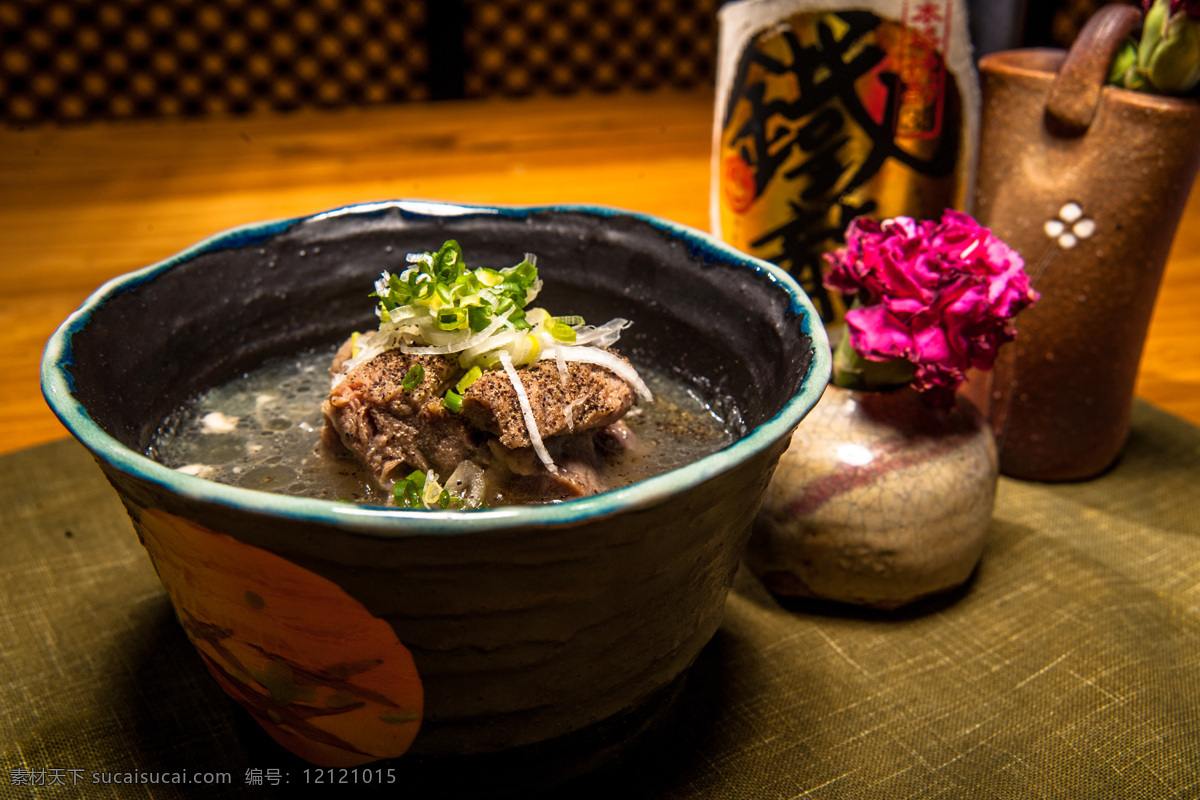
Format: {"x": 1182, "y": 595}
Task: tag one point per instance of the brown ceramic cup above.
{"x": 1088, "y": 183}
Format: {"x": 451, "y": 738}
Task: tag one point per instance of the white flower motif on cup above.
{"x": 1070, "y": 226}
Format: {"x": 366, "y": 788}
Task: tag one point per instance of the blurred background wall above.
{"x": 64, "y": 61}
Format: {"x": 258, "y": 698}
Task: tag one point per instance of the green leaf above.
{"x": 1124, "y": 66}
{"x": 852, "y": 371}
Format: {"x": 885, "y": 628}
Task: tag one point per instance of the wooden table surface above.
{"x": 80, "y": 205}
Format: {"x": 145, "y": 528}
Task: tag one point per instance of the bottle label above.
{"x": 924, "y": 34}
{"x": 828, "y": 115}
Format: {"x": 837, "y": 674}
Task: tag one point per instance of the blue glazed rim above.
{"x": 386, "y": 521}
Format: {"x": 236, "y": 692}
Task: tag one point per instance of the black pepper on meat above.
{"x": 592, "y": 397}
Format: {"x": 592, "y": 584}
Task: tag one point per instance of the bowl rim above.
{"x": 388, "y": 521}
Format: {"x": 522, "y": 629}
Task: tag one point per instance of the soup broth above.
{"x": 263, "y": 431}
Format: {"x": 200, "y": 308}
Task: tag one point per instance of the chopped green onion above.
{"x": 408, "y": 491}
{"x": 560, "y": 331}
{"x": 518, "y": 321}
{"x": 464, "y": 383}
{"x": 479, "y": 318}
{"x": 488, "y": 360}
{"x": 523, "y": 273}
{"x": 422, "y": 490}
{"x": 455, "y": 298}
{"x": 448, "y": 263}
{"x": 450, "y": 318}
{"x": 453, "y": 401}
{"x": 413, "y": 378}
{"x": 489, "y": 277}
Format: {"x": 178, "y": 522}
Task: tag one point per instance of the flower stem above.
{"x": 852, "y": 371}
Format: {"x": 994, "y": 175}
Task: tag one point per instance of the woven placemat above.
{"x": 1069, "y": 667}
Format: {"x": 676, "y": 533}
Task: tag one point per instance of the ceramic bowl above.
{"x": 357, "y": 633}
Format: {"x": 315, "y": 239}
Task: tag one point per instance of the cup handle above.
{"x": 1075, "y": 94}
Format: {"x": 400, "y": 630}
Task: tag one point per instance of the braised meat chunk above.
{"x": 392, "y": 431}
{"x": 589, "y": 397}
{"x": 392, "y": 423}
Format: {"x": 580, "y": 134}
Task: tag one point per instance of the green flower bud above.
{"x": 1154, "y": 24}
{"x": 1169, "y": 52}
{"x": 1174, "y": 66}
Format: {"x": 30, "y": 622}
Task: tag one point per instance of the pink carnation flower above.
{"x": 937, "y": 294}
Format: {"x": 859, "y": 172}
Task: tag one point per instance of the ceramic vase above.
{"x": 1088, "y": 183}
{"x": 879, "y": 501}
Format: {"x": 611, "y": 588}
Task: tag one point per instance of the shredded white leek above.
{"x": 602, "y": 336}
{"x": 535, "y": 436}
{"x": 611, "y": 362}
{"x": 563, "y": 375}
{"x": 569, "y": 413}
{"x": 462, "y": 344}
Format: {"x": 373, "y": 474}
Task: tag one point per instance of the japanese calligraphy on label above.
{"x": 825, "y": 115}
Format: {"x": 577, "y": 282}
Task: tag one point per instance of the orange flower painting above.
{"x": 325, "y": 678}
